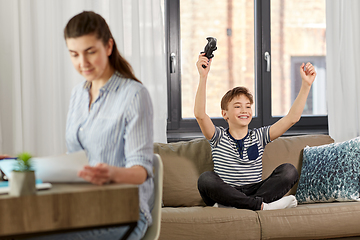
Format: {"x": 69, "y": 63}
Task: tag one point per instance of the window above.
{"x": 245, "y": 31}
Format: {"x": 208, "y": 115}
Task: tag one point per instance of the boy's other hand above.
{"x": 308, "y": 75}
{"x": 203, "y": 61}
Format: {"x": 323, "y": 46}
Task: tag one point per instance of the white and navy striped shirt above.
{"x": 118, "y": 129}
{"x": 232, "y": 168}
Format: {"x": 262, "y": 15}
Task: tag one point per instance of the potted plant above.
{"x": 22, "y": 181}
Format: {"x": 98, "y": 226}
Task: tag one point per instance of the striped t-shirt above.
{"x": 232, "y": 168}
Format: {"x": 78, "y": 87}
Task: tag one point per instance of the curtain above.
{"x": 36, "y": 74}
{"x": 343, "y": 73}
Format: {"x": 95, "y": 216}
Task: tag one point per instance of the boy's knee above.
{"x": 289, "y": 172}
{"x": 207, "y": 179}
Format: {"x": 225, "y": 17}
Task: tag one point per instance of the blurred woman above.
{"x": 110, "y": 117}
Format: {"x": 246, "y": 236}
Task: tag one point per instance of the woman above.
{"x": 110, "y": 117}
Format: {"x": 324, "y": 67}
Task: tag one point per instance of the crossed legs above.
{"x": 251, "y": 196}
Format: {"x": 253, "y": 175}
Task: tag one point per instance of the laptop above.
{"x": 53, "y": 169}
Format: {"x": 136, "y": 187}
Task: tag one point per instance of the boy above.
{"x": 237, "y": 151}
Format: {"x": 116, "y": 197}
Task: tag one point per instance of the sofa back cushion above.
{"x": 183, "y": 163}
{"x": 289, "y": 150}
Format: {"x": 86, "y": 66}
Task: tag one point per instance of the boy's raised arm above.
{"x": 294, "y": 115}
{"x": 206, "y": 125}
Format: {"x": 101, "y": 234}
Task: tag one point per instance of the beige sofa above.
{"x": 185, "y": 216}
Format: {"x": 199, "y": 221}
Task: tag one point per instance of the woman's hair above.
{"x": 237, "y": 91}
{"x": 89, "y": 22}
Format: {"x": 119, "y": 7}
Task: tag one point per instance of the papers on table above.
{"x": 61, "y": 168}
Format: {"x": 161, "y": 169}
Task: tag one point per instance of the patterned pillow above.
{"x": 330, "y": 173}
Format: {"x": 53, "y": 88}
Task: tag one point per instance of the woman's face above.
{"x": 90, "y": 57}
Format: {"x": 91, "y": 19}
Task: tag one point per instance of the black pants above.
{"x": 250, "y": 196}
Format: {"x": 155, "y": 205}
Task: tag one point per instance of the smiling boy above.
{"x": 237, "y": 151}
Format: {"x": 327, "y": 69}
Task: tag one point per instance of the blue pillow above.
{"x": 330, "y": 173}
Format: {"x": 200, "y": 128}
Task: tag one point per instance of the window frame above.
{"x": 185, "y": 129}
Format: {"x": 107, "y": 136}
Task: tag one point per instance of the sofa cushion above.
{"x": 183, "y": 163}
{"x": 207, "y": 223}
{"x": 330, "y": 173}
{"x": 289, "y": 150}
{"x": 311, "y": 221}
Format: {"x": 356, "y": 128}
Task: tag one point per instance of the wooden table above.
{"x": 69, "y": 207}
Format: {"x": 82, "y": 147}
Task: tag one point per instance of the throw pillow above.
{"x": 330, "y": 173}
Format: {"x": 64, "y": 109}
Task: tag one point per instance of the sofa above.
{"x": 185, "y": 215}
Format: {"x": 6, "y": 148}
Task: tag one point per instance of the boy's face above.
{"x": 239, "y": 112}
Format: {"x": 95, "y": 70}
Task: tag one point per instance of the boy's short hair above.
{"x": 236, "y": 91}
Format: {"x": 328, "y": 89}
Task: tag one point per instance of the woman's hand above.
{"x": 100, "y": 174}
{"x": 4, "y": 156}
{"x": 103, "y": 173}
{"x": 308, "y": 76}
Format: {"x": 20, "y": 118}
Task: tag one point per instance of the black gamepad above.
{"x": 209, "y": 48}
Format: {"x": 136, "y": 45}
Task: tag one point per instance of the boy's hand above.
{"x": 280, "y": 127}
{"x": 308, "y": 76}
{"x": 203, "y": 61}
